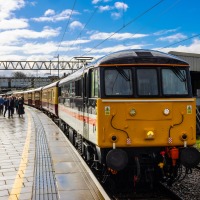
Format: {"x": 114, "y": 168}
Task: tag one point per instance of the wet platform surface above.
{"x": 38, "y": 162}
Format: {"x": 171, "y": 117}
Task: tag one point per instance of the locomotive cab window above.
{"x": 147, "y": 82}
{"x": 174, "y": 81}
{"x": 118, "y": 82}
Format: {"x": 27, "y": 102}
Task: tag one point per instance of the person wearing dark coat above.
{"x": 9, "y": 104}
{"x": 16, "y": 104}
{"x": 1, "y": 104}
{"x": 5, "y": 105}
{"x": 20, "y": 107}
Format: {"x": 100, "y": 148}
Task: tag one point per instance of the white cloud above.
{"x": 8, "y": 6}
{"x": 49, "y": 17}
{"x": 121, "y": 6}
{"x": 115, "y": 48}
{"x": 16, "y": 36}
{"x": 33, "y": 3}
{"x": 49, "y": 12}
{"x": 39, "y": 48}
{"x": 163, "y": 32}
{"x": 13, "y": 24}
{"x": 117, "y": 36}
{"x": 194, "y": 47}
{"x": 95, "y": 1}
{"x": 116, "y": 15}
{"x": 105, "y": 8}
{"x": 74, "y": 42}
{"x": 173, "y": 38}
{"x": 75, "y": 25}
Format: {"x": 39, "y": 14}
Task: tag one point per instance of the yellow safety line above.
{"x": 17, "y": 186}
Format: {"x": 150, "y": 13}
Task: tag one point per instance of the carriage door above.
{"x": 85, "y": 107}
{"x": 48, "y": 99}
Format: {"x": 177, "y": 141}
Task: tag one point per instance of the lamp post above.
{"x": 58, "y": 63}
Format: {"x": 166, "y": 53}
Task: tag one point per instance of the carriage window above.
{"x": 78, "y": 88}
{"x": 147, "y": 82}
{"x": 94, "y": 83}
{"x": 72, "y": 89}
{"x": 65, "y": 90}
{"x": 50, "y": 95}
{"x": 118, "y": 81}
{"x": 174, "y": 81}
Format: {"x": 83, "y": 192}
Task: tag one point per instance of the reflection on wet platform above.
{"x": 38, "y": 162}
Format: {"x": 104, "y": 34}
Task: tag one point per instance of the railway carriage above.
{"x": 132, "y": 112}
{"x": 30, "y": 97}
{"x": 36, "y": 97}
{"x": 50, "y": 99}
{"x": 18, "y": 94}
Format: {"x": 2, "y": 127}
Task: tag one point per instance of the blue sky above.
{"x": 40, "y": 30}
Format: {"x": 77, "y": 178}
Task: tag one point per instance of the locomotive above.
{"x": 130, "y": 114}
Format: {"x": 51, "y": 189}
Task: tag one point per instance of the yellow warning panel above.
{"x": 189, "y": 109}
{"x": 107, "y": 110}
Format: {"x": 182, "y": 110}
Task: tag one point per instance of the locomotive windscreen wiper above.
{"x": 123, "y": 73}
{"x": 179, "y": 74}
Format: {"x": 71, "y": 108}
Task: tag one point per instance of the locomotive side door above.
{"x": 85, "y": 106}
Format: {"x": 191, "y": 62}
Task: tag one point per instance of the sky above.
{"x": 43, "y": 29}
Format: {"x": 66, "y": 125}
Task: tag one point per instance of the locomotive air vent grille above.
{"x": 144, "y": 54}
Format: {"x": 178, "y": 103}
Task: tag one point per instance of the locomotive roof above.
{"x": 76, "y": 74}
{"x": 134, "y": 56}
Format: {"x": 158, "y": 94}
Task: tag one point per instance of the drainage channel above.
{"x": 44, "y": 179}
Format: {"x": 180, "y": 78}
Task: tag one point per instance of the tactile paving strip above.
{"x": 44, "y": 182}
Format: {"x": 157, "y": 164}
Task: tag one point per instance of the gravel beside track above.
{"x": 189, "y": 187}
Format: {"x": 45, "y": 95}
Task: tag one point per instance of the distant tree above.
{"x": 19, "y": 75}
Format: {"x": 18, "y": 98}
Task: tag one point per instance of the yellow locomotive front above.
{"x": 146, "y": 116}
{"x": 147, "y": 123}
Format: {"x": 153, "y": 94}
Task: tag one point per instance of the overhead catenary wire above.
{"x": 66, "y": 27}
{"x": 166, "y": 10}
{"x": 180, "y": 41}
{"x": 90, "y": 18}
{"x": 125, "y": 25}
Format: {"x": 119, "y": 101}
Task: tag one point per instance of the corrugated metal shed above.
{"x": 192, "y": 58}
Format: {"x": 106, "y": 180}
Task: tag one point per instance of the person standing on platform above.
{"x": 16, "y": 104}
{"x": 10, "y": 105}
{"x": 1, "y": 105}
{"x": 20, "y": 107}
{"x": 5, "y": 105}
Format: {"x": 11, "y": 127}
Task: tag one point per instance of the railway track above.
{"x": 189, "y": 187}
{"x": 186, "y": 189}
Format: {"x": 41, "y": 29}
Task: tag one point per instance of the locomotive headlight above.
{"x": 166, "y": 111}
{"x": 132, "y": 112}
{"x": 150, "y": 135}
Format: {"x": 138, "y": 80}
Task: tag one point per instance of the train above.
{"x": 130, "y": 114}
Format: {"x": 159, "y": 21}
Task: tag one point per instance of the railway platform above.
{"x": 38, "y": 162}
